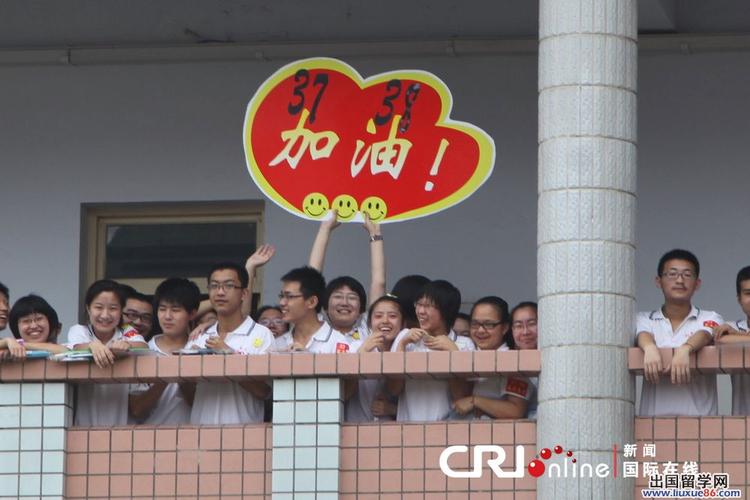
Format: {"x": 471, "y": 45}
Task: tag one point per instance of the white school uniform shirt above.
{"x": 101, "y": 404}
{"x": 502, "y": 386}
{"x": 359, "y": 407}
{"x": 172, "y": 408}
{"x": 217, "y": 403}
{"x": 325, "y": 340}
{"x": 740, "y": 381}
{"x": 426, "y": 400}
{"x": 697, "y": 398}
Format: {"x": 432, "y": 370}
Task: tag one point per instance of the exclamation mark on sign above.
{"x": 436, "y": 164}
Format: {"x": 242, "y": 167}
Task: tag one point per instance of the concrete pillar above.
{"x": 586, "y": 236}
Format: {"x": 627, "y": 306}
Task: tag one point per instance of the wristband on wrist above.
{"x": 376, "y": 237}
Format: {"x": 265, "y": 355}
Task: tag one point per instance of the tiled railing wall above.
{"x": 388, "y": 460}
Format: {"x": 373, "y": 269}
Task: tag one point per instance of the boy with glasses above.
{"x": 138, "y": 312}
{"x": 234, "y": 333}
{"x": 300, "y": 300}
{"x": 735, "y": 332}
{"x": 672, "y": 389}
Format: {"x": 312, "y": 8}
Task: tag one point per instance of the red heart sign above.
{"x": 318, "y": 136}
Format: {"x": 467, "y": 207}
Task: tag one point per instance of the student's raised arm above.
{"x": 318, "y": 250}
{"x": 262, "y": 255}
{"x": 377, "y": 260}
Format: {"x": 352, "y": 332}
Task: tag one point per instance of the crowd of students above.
{"x": 417, "y": 315}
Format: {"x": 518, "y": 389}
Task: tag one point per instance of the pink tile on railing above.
{"x": 484, "y": 363}
{"x": 210, "y": 438}
{"x": 415, "y": 365}
{"x": 413, "y": 480}
{"x": 483, "y": 483}
{"x": 259, "y": 365}
{"x": 368, "y": 459}
{"x": 525, "y": 432}
{"x": 76, "y": 463}
{"x": 187, "y": 485}
{"x": 99, "y": 440}
{"x": 166, "y": 439}
{"x": 371, "y": 364}
{"x": 119, "y": 486}
{"x": 165, "y": 485}
{"x": 506, "y": 361}
{"x": 231, "y": 461}
{"x": 232, "y": 438}
{"x": 143, "y": 485}
{"x": 732, "y": 358}
{"x": 390, "y": 458}
{"x": 143, "y": 439}
{"x": 281, "y": 364}
{"x": 390, "y": 434}
{"x": 187, "y": 439}
{"x": 368, "y": 435}
{"x": 190, "y": 367}
{"x": 165, "y": 462}
{"x": 212, "y": 367}
{"x": 187, "y": 462}
{"x": 644, "y": 428}
{"x": 708, "y": 360}
{"x": 348, "y": 481}
{"x": 368, "y": 482}
{"x": 33, "y": 369}
{"x": 462, "y": 363}
{"x": 665, "y": 428}
{"x": 100, "y": 375}
{"x": 209, "y": 461}
{"x": 254, "y": 460}
{"x": 235, "y": 366}
{"x": 98, "y": 463}
{"x": 209, "y": 484}
{"x": 303, "y": 364}
{"x": 146, "y": 368}
{"x": 55, "y": 371}
{"x": 347, "y": 365}
{"x": 122, "y": 439}
{"x": 635, "y": 359}
{"x": 435, "y": 480}
{"x": 168, "y": 368}
{"x": 413, "y": 434}
{"x": 231, "y": 484}
{"x": 252, "y": 483}
{"x": 76, "y": 441}
{"x": 458, "y": 433}
{"x": 435, "y": 434}
{"x": 393, "y": 363}
{"x": 75, "y": 486}
{"x": 348, "y": 458}
{"x": 734, "y": 427}
{"x": 98, "y": 486}
{"x": 687, "y": 451}
{"x": 413, "y": 457}
{"x": 737, "y": 474}
{"x": 503, "y": 433}
{"x": 529, "y": 362}
{"x": 143, "y": 462}
{"x": 124, "y": 369}
{"x": 688, "y": 428}
{"x": 665, "y": 451}
{"x": 121, "y": 462}
{"x": 711, "y": 428}
{"x": 390, "y": 481}
{"x": 255, "y": 437}
{"x": 439, "y": 363}
{"x": 325, "y": 364}
{"x": 710, "y": 451}
{"x": 11, "y": 371}
{"x": 78, "y": 371}
{"x": 734, "y": 451}
{"x": 480, "y": 432}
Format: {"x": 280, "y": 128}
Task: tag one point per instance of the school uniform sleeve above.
{"x": 518, "y": 386}
{"x": 199, "y": 342}
{"x": 465, "y": 344}
{"x": 399, "y": 337}
{"x": 78, "y": 334}
{"x": 709, "y": 320}
{"x": 643, "y": 323}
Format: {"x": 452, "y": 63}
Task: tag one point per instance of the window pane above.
{"x": 162, "y": 250}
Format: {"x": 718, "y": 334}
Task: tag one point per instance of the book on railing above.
{"x": 69, "y": 356}
{"x": 191, "y": 352}
{"x": 37, "y": 354}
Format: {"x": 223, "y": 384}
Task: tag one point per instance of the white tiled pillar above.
{"x": 33, "y": 419}
{"x": 307, "y": 414}
{"x": 586, "y": 235}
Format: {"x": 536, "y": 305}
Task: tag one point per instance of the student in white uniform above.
{"x": 737, "y": 332}
{"x": 494, "y": 397}
{"x": 673, "y": 389}
{"x": 524, "y": 334}
{"x": 271, "y": 318}
{"x": 176, "y": 301}
{"x": 104, "y": 404}
{"x": 345, "y": 300}
{"x": 35, "y": 327}
{"x": 218, "y": 403}
{"x": 4, "y": 308}
{"x": 372, "y": 400}
{"x": 430, "y": 400}
{"x": 300, "y": 301}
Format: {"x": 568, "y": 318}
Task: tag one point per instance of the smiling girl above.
{"x": 104, "y": 404}
{"x": 35, "y": 327}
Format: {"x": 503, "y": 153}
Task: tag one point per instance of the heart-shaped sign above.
{"x": 318, "y": 136}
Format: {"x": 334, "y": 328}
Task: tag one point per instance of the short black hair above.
{"x": 4, "y": 291}
{"x": 445, "y": 297}
{"x": 679, "y": 254}
{"x": 33, "y": 304}
{"x": 241, "y": 271}
{"x": 501, "y": 307}
{"x": 311, "y": 283}
{"x": 463, "y": 316}
{"x": 350, "y": 282}
{"x": 743, "y": 275}
{"x": 387, "y": 298}
{"x": 132, "y": 293}
{"x": 178, "y": 291}
{"x": 262, "y": 309}
{"x": 407, "y": 289}
{"x": 101, "y": 286}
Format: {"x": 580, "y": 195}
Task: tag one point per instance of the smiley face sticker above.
{"x": 375, "y": 208}
{"x": 315, "y": 205}
{"x": 345, "y": 206}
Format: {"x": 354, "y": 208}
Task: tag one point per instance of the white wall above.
{"x": 173, "y": 132}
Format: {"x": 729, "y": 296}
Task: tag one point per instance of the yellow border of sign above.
{"x": 484, "y": 141}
